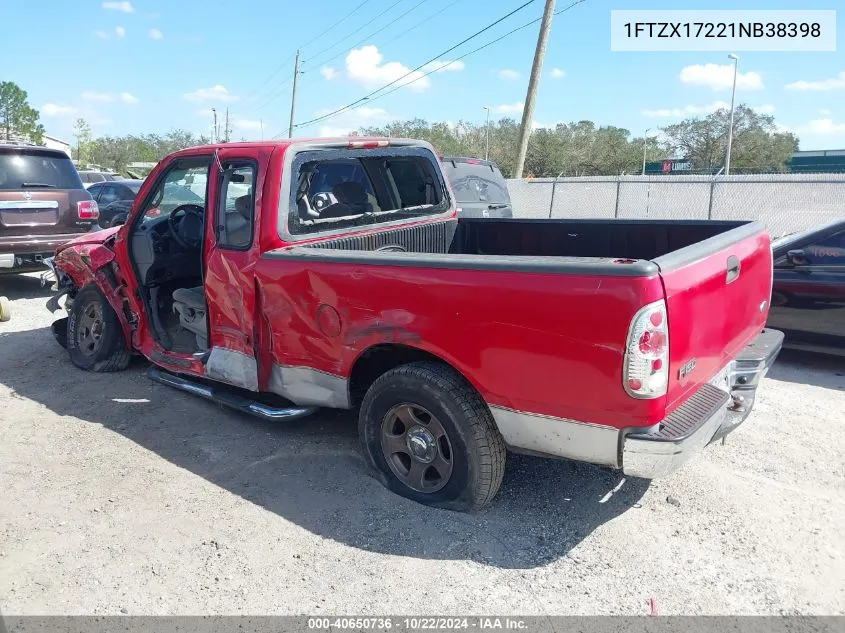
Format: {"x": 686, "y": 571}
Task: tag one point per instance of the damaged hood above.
{"x": 90, "y": 238}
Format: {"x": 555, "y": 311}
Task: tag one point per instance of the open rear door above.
{"x": 229, "y": 267}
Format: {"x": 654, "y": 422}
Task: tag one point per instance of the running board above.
{"x": 227, "y": 399}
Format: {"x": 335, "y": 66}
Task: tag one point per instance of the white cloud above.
{"x": 558, "y": 73}
{"x": 120, "y": 31}
{"x": 103, "y": 97}
{"x": 690, "y": 110}
{"x": 102, "y": 35}
{"x": 443, "y": 66}
{"x": 155, "y": 34}
{"x": 509, "y": 74}
{"x": 513, "y": 108}
{"x": 352, "y": 120}
{"x": 215, "y": 93}
{"x": 822, "y": 127}
{"x": 824, "y": 112}
{"x": 53, "y": 109}
{"x": 246, "y": 125}
{"x": 328, "y": 73}
{"x": 834, "y": 83}
{"x": 366, "y": 66}
{"x": 719, "y": 77}
{"x": 126, "y": 7}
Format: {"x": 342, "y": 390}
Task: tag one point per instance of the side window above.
{"x": 236, "y": 205}
{"x": 107, "y": 195}
{"x": 175, "y": 191}
{"x": 829, "y": 251}
{"x": 94, "y": 190}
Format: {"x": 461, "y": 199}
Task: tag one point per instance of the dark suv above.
{"x": 480, "y": 189}
{"x": 42, "y": 205}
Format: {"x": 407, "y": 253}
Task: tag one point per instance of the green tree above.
{"x": 84, "y": 144}
{"x": 17, "y": 117}
{"x": 758, "y": 144}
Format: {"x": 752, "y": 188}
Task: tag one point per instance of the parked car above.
{"x": 480, "y": 189}
{"x": 42, "y": 205}
{"x": 808, "y": 294}
{"x": 629, "y": 344}
{"x": 114, "y": 199}
{"x": 90, "y": 177}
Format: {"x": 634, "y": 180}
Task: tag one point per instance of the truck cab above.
{"x": 336, "y": 273}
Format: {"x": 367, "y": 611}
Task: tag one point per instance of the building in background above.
{"x": 54, "y": 143}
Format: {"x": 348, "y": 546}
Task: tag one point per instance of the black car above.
{"x": 808, "y": 290}
{"x": 479, "y": 187}
{"x": 114, "y": 199}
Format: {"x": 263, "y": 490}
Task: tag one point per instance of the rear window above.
{"x": 476, "y": 182}
{"x": 31, "y": 170}
{"x": 338, "y": 189}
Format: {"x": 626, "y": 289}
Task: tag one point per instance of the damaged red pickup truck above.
{"x": 335, "y": 273}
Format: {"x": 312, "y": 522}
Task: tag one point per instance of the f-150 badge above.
{"x": 686, "y": 368}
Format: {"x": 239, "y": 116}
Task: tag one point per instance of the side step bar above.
{"x": 228, "y": 399}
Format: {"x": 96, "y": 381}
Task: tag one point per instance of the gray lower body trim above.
{"x": 233, "y": 368}
{"x": 308, "y": 386}
{"x": 558, "y": 437}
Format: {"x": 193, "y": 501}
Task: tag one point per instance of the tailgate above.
{"x": 717, "y": 297}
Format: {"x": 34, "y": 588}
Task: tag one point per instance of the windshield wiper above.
{"x": 38, "y": 184}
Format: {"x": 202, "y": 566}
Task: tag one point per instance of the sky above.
{"x": 144, "y": 66}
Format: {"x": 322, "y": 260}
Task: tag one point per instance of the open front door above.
{"x": 229, "y": 270}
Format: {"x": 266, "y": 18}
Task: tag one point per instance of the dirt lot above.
{"x": 122, "y": 496}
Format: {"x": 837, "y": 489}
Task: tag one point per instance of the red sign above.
{"x": 667, "y": 166}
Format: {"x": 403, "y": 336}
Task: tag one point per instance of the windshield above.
{"x": 25, "y": 170}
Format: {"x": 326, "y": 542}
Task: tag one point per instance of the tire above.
{"x": 117, "y": 220}
{"x": 411, "y": 405}
{"x": 5, "y": 309}
{"x": 95, "y": 338}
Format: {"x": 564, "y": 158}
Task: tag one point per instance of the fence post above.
{"x": 618, "y": 185}
{"x": 710, "y": 204}
{"x": 552, "y": 202}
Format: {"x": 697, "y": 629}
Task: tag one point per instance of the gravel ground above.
{"x": 122, "y": 496}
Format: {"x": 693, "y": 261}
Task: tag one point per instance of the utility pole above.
{"x": 214, "y": 112}
{"x": 261, "y": 121}
{"x": 536, "y": 68}
{"x": 226, "y": 129}
{"x": 487, "y": 135}
{"x": 293, "y": 94}
{"x": 731, "y": 128}
{"x": 645, "y": 145}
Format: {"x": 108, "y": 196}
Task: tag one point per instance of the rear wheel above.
{"x": 95, "y": 339}
{"x": 117, "y": 220}
{"x": 430, "y": 437}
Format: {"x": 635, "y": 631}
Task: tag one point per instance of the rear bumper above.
{"x": 710, "y": 414}
{"x": 29, "y": 244}
{"x": 20, "y": 262}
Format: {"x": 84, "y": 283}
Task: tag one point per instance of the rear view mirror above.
{"x": 797, "y": 258}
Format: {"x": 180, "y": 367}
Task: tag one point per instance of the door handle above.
{"x": 733, "y": 269}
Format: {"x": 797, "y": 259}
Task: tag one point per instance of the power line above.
{"x": 410, "y": 72}
{"x": 348, "y": 35}
{"x": 419, "y": 24}
{"x": 292, "y": 55}
{"x": 371, "y": 35}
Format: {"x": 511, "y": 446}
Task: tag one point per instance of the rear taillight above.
{"x": 87, "y": 210}
{"x": 646, "y": 372}
{"x": 367, "y": 144}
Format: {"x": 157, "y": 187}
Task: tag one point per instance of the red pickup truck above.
{"x": 335, "y": 273}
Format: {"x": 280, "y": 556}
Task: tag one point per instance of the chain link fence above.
{"x": 783, "y": 202}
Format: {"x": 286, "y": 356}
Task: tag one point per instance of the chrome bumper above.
{"x": 710, "y": 414}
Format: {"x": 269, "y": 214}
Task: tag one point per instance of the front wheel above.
{"x": 430, "y": 437}
{"x": 95, "y": 338}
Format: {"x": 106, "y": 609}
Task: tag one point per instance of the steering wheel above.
{"x": 185, "y": 222}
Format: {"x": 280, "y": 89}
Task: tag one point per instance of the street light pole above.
{"x": 731, "y": 126}
{"x": 645, "y": 145}
{"x": 487, "y": 141}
